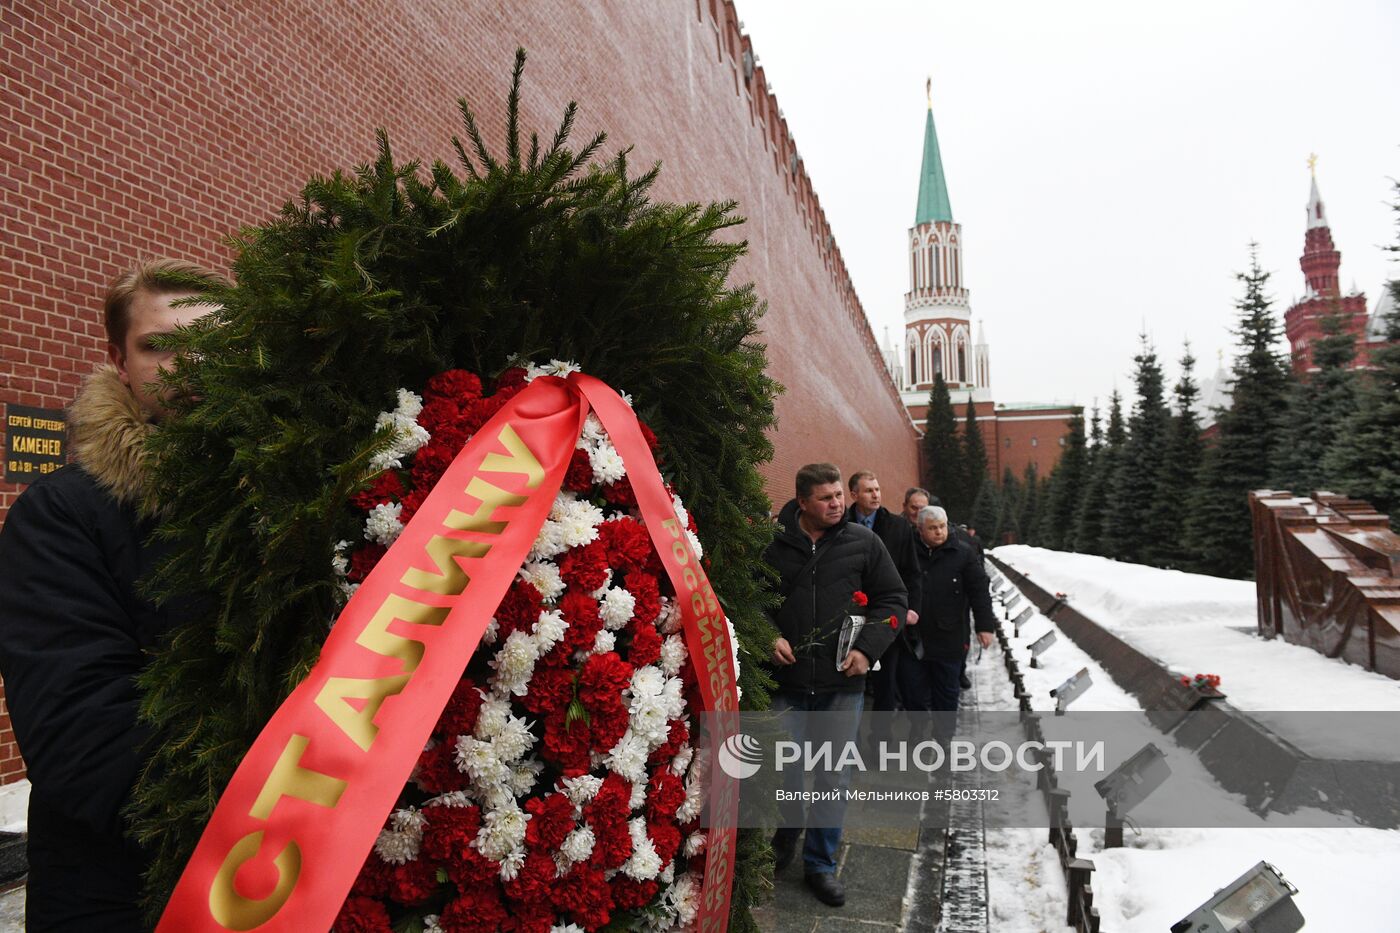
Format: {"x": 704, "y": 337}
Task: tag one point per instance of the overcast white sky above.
{"x": 1109, "y": 162}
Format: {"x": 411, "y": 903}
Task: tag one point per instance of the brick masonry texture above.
{"x": 141, "y": 129}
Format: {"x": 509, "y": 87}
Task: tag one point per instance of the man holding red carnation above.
{"x": 823, "y": 563}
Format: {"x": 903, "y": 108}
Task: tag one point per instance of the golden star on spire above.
{"x": 1312, "y": 163}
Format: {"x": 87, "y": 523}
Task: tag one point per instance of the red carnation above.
{"x": 478, "y": 909}
{"x": 609, "y": 724}
{"x": 620, "y": 494}
{"x": 585, "y": 895}
{"x": 511, "y": 378}
{"x": 665, "y": 795}
{"x": 362, "y": 915}
{"x": 565, "y": 744}
{"x": 647, "y": 592}
{"x": 602, "y": 680}
{"x": 387, "y": 487}
{"x": 628, "y": 544}
{"x": 453, "y": 384}
{"x": 551, "y": 689}
{"x": 650, "y": 437}
{"x": 629, "y": 894}
{"x": 579, "y": 477}
{"x": 437, "y": 770}
{"x": 585, "y": 568}
{"x": 412, "y": 502}
{"x": 551, "y": 819}
{"x": 894, "y": 622}
{"x": 585, "y": 622}
{"x": 519, "y": 609}
{"x": 431, "y": 462}
{"x": 676, "y": 736}
{"x": 665, "y": 838}
{"x": 859, "y": 598}
{"x": 413, "y": 883}
{"x": 363, "y": 559}
{"x": 532, "y": 883}
{"x": 438, "y": 415}
{"x": 480, "y": 411}
{"x": 646, "y": 644}
{"x": 459, "y": 716}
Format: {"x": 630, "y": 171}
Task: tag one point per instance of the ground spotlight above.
{"x": 1259, "y": 901}
{"x": 1129, "y": 785}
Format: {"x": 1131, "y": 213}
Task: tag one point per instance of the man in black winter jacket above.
{"x": 822, "y": 562}
{"x": 74, "y": 629}
{"x": 898, "y": 537}
{"x": 952, "y": 582}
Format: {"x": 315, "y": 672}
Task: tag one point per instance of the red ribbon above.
{"x": 297, "y": 820}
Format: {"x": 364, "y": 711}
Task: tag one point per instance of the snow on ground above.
{"x": 1344, "y": 875}
{"x": 14, "y": 806}
{"x": 1193, "y": 624}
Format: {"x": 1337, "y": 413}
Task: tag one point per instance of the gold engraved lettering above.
{"x": 232, "y": 910}
{"x": 290, "y": 779}
{"x": 358, "y": 725}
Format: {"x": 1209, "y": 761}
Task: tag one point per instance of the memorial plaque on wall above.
{"x": 36, "y": 442}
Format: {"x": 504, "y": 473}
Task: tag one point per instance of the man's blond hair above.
{"x": 155, "y": 277}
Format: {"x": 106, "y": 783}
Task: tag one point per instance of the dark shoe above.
{"x": 964, "y": 681}
{"x": 827, "y": 889}
{"x": 784, "y": 851}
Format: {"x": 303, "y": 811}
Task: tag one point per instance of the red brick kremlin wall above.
{"x": 140, "y": 129}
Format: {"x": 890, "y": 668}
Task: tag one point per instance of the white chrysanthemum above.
{"x": 410, "y": 404}
{"x": 644, "y": 864}
{"x": 514, "y": 664}
{"x": 400, "y": 840}
{"x": 578, "y": 844}
{"x": 669, "y": 619}
{"x": 734, "y": 654}
{"x": 616, "y": 608}
{"x": 647, "y": 719}
{"x": 549, "y": 542}
{"x": 514, "y": 740}
{"x": 682, "y": 759}
{"x": 511, "y": 864}
{"x": 543, "y": 576}
{"x": 627, "y": 397}
{"x": 673, "y": 655}
{"x": 694, "y": 844}
{"x": 604, "y": 642}
{"x": 549, "y": 630}
{"x": 648, "y": 681}
{"x": 606, "y": 462}
{"x": 492, "y": 631}
{"x": 430, "y": 924}
{"x": 455, "y": 799}
{"x": 638, "y": 797}
{"x": 668, "y": 874}
{"x": 479, "y": 761}
{"x": 340, "y": 564}
{"x": 682, "y": 515}
{"x": 601, "y": 591}
{"x": 629, "y": 756}
{"x": 694, "y": 802}
{"x": 581, "y": 789}
{"x": 673, "y": 695}
{"x": 577, "y": 520}
{"x": 592, "y": 432}
{"x": 496, "y": 796}
{"x": 491, "y": 717}
{"x": 348, "y": 589}
{"x": 383, "y": 525}
{"x": 502, "y": 830}
{"x": 684, "y": 898}
{"x": 563, "y": 928}
{"x": 695, "y": 543}
{"x": 562, "y": 368}
{"x": 524, "y": 775}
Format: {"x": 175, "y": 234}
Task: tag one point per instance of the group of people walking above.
{"x": 921, "y": 586}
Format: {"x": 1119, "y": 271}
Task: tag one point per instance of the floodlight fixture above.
{"x": 1259, "y": 901}
{"x": 1127, "y": 786}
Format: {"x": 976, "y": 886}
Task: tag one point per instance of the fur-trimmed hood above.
{"x": 109, "y": 430}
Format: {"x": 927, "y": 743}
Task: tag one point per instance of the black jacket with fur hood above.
{"x": 817, "y": 582}
{"x": 73, "y": 634}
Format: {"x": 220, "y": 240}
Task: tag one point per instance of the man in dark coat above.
{"x": 898, "y": 537}
{"x": 952, "y": 582}
{"x": 74, "y": 629}
{"x": 822, "y": 562}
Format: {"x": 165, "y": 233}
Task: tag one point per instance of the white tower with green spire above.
{"x": 938, "y": 334}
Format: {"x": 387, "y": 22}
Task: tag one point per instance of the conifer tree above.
{"x": 1093, "y": 508}
{"x": 1066, "y": 488}
{"x": 1178, "y": 475}
{"x": 943, "y": 460}
{"x": 1012, "y": 493}
{"x": 1218, "y": 526}
{"x": 974, "y": 459}
{"x": 1135, "y": 485}
{"x": 1365, "y": 460}
{"x": 1093, "y": 445}
{"x": 1318, "y": 408}
{"x": 1029, "y": 512}
{"x": 987, "y": 513}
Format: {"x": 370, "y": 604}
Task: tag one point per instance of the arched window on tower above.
{"x": 962, "y": 361}
{"x": 932, "y": 259}
{"x": 913, "y": 364}
{"x": 937, "y": 351}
